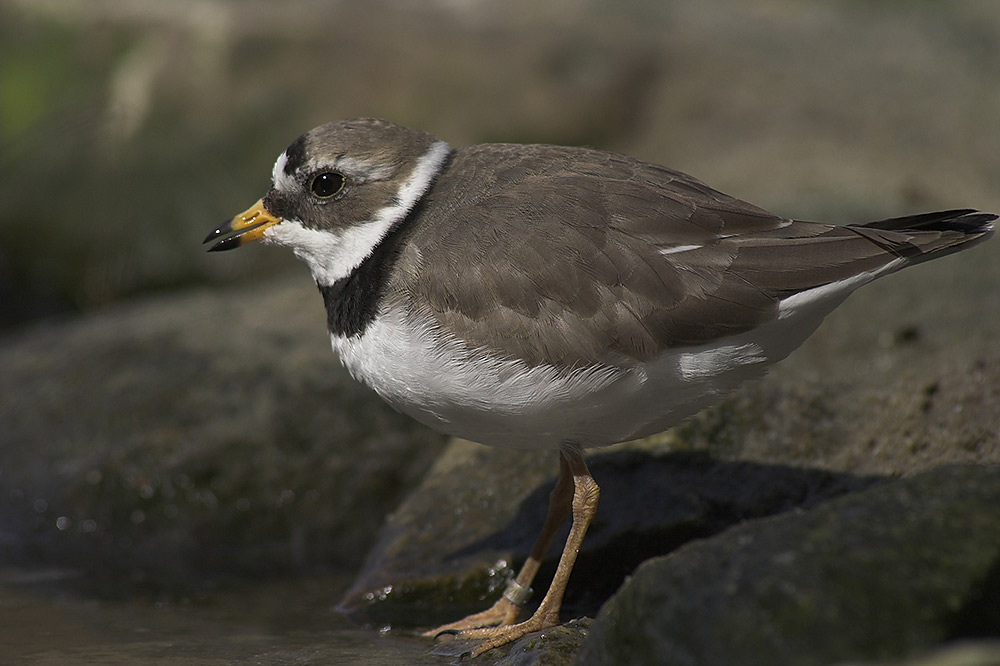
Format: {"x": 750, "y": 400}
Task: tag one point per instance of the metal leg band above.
{"x": 516, "y": 593}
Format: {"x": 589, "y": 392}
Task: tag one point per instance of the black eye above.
{"x": 327, "y": 184}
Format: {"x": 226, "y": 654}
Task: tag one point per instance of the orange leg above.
{"x": 575, "y": 491}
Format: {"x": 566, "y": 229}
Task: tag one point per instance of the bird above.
{"x": 555, "y": 297}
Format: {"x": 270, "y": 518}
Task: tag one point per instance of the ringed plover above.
{"x": 565, "y": 298}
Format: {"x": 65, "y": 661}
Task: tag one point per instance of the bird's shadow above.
{"x": 652, "y": 504}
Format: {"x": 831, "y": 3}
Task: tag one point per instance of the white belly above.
{"x": 476, "y": 395}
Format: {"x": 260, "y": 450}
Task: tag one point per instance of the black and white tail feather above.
{"x": 929, "y": 235}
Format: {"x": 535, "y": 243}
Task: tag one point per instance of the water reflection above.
{"x": 280, "y": 622}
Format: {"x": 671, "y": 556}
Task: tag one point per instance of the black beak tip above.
{"x": 215, "y": 233}
{"x": 230, "y": 243}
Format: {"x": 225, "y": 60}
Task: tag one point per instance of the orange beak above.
{"x": 245, "y": 228}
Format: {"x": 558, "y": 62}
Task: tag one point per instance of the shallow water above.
{"x": 42, "y": 622}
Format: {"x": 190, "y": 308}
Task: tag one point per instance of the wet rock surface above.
{"x": 450, "y": 547}
{"x": 895, "y": 569}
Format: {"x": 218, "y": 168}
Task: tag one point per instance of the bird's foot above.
{"x": 503, "y": 612}
{"x": 494, "y": 637}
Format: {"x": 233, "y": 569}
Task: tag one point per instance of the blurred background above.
{"x": 170, "y": 419}
{"x": 129, "y": 128}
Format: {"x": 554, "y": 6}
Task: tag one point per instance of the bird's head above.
{"x": 336, "y": 191}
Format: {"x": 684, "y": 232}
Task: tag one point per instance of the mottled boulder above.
{"x": 885, "y": 572}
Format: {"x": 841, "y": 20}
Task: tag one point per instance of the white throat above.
{"x": 333, "y": 256}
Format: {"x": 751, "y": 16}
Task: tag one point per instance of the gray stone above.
{"x": 958, "y": 653}
{"x": 450, "y": 547}
{"x": 211, "y": 434}
{"x": 897, "y": 568}
{"x": 552, "y": 647}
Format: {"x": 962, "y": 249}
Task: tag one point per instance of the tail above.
{"x": 930, "y": 235}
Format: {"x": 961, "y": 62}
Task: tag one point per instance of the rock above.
{"x": 434, "y": 557}
{"x": 196, "y": 436}
{"x": 450, "y": 547}
{"x": 959, "y": 653}
{"x": 553, "y": 647}
{"x": 897, "y": 568}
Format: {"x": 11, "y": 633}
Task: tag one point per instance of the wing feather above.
{"x": 613, "y": 260}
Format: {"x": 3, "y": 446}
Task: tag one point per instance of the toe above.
{"x": 500, "y": 614}
{"x": 495, "y": 637}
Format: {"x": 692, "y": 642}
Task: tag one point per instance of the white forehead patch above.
{"x": 279, "y": 165}
{"x": 279, "y": 179}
